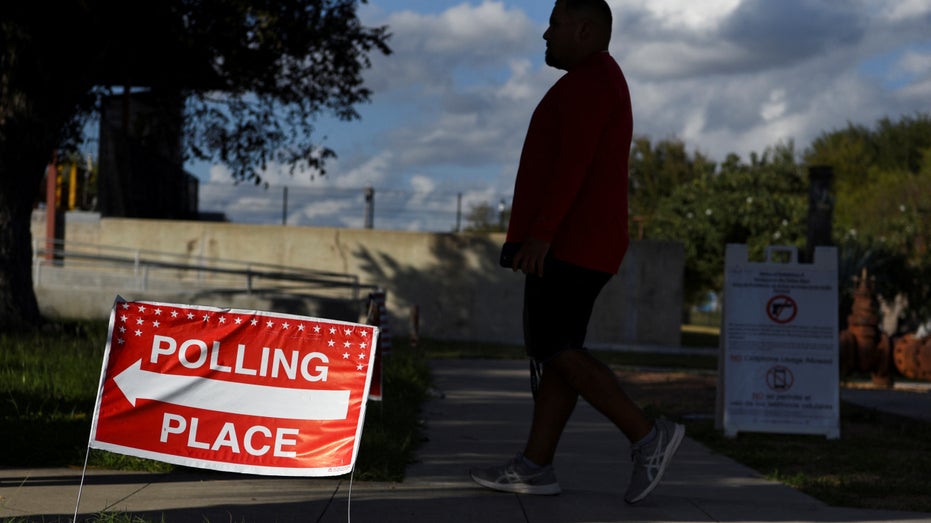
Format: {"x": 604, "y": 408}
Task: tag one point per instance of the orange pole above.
{"x": 73, "y": 188}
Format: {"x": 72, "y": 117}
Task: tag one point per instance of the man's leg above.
{"x": 574, "y": 373}
{"x": 570, "y": 374}
{"x": 554, "y": 403}
{"x": 653, "y": 444}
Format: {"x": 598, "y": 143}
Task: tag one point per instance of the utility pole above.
{"x": 369, "y": 208}
{"x": 820, "y": 208}
{"x": 284, "y": 206}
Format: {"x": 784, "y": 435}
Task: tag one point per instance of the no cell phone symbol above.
{"x": 781, "y": 308}
{"x": 780, "y": 378}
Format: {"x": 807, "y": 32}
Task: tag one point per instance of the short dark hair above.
{"x": 598, "y": 9}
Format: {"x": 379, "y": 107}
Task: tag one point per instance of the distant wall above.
{"x": 461, "y": 292}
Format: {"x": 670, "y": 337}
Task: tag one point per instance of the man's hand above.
{"x": 529, "y": 259}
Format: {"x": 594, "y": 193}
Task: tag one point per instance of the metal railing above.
{"x": 89, "y": 262}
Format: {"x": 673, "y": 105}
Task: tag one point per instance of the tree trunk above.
{"x": 26, "y": 146}
{"x": 19, "y": 309}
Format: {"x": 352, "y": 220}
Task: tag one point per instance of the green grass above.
{"x": 48, "y": 382}
{"x": 881, "y": 461}
{"x": 393, "y": 426}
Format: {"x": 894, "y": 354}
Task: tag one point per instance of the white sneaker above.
{"x": 515, "y": 477}
{"x": 650, "y": 460}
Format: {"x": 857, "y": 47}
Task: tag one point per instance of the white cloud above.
{"x": 521, "y": 85}
{"x": 775, "y": 106}
{"x": 675, "y": 60}
{"x": 219, "y": 173}
{"x": 372, "y": 171}
{"x": 428, "y": 49}
{"x": 915, "y": 63}
{"x": 899, "y": 10}
{"x": 328, "y": 211}
{"x": 477, "y": 33}
{"x": 423, "y": 184}
{"x": 681, "y": 14}
{"x": 916, "y": 95}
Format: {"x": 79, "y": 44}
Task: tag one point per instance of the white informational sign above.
{"x": 779, "y": 351}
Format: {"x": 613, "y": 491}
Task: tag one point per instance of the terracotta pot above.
{"x": 913, "y": 357}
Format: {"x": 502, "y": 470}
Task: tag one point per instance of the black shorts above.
{"x": 558, "y": 306}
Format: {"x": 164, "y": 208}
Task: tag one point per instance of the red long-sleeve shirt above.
{"x": 571, "y": 187}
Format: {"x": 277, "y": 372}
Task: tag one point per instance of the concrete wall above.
{"x": 461, "y": 292}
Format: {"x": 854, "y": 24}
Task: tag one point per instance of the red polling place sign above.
{"x": 233, "y": 390}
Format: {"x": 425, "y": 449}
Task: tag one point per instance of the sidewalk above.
{"x": 481, "y": 419}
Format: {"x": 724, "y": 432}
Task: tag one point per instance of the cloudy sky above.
{"x": 451, "y": 104}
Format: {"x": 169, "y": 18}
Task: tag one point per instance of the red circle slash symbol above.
{"x": 780, "y": 378}
{"x": 781, "y": 308}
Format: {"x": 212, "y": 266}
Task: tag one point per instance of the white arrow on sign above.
{"x": 234, "y": 398}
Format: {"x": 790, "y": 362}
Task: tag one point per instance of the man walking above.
{"x": 569, "y": 218}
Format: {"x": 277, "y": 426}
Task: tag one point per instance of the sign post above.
{"x": 779, "y": 351}
{"x": 233, "y": 390}
{"x": 378, "y": 315}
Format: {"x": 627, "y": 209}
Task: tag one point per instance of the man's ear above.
{"x": 586, "y": 31}
{"x": 583, "y": 30}
{"x": 590, "y": 34}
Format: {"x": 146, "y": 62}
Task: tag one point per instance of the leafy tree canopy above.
{"x": 884, "y": 172}
{"x": 760, "y": 203}
{"x": 655, "y": 172}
